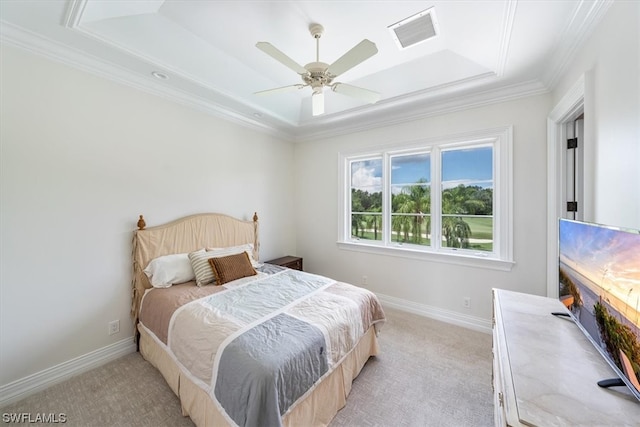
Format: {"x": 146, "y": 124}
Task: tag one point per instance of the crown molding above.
{"x": 505, "y": 40}
{"x": 421, "y": 108}
{"x": 583, "y": 22}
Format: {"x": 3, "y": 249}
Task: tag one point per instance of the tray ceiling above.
{"x": 483, "y": 51}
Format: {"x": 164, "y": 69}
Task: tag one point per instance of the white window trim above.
{"x": 501, "y": 259}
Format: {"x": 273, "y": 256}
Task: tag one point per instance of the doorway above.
{"x": 573, "y": 173}
{"x": 565, "y": 171}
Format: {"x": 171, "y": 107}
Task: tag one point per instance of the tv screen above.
{"x": 599, "y": 282}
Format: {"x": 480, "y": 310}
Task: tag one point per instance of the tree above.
{"x": 363, "y": 201}
{"x": 374, "y": 222}
{"x": 356, "y": 206}
{"x": 410, "y": 212}
{"x": 401, "y": 224}
{"x": 414, "y": 199}
{"x": 468, "y": 200}
{"x": 463, "y": 200}
{"x": 456, "y": 232}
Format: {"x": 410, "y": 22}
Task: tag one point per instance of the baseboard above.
{"x": 448, "y": 316}
{"x": 26, "y": 386}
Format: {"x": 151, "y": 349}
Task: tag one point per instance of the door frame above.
{"x": 567, "y": 110}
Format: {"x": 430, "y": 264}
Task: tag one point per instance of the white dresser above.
{"x": 545, "y": 370}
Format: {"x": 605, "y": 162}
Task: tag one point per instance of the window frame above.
{"x": 501, "y": 139}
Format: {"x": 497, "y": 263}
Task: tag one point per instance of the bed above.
{"x": 240, "y": 342}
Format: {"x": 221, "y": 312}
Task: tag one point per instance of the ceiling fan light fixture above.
{"x": 317, "y": 102}
{"x": 415, "y": 29}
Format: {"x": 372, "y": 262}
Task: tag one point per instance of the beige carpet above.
{"x": 429, "y": 373}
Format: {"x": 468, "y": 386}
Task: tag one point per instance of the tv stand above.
{"x": 611, "y": 382}
{"x": 546, "y": 371}
{"x": 628, "y": 372}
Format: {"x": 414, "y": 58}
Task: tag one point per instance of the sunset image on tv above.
{"x": 599, "y": 282}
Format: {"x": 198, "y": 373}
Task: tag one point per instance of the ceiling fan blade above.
{"x": 276, "y": 54}
{"x": 356, "y": 92}
{"x": 282, "y": 89}
{"x": 363, "y": 50}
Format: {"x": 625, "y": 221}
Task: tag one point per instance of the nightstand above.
{"x": 293, "y": 262}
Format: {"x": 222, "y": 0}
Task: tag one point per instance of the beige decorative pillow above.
{"x": 231, "y": 267}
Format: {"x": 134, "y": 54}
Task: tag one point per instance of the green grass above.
{"x": 481, "y": 228}
{"x": 368, "y": 235}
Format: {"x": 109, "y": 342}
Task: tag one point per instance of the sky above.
{"x": 610, "y": 258}
{"x": 471, "y": 167}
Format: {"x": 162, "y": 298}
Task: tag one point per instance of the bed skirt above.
{"x": 316, "y": 409}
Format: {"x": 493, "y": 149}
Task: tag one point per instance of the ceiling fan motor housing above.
{"x": 317, "y": 76}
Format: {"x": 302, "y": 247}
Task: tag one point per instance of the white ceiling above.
{"x": 485, "y": 51}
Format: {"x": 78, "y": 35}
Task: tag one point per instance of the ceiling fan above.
{"x": 317, "y": 74}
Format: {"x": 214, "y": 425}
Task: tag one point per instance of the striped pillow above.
{"x": 231, "y": 267}
{"x": 201, "y": 268}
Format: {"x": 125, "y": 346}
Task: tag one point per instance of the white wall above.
{"x": 434, "y": 287}
{"x": 81, "y": 158}
{"x": 610, "y": 62}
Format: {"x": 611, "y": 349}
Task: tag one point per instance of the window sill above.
{"x": 449, "y": 258}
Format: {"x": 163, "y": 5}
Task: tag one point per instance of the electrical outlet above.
{"x": 364, "y": 280}
{"x": 114, "y": 327}
{"x": 467, "y": 302}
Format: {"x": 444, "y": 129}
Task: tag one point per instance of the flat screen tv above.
{"x": 599, "y": 282}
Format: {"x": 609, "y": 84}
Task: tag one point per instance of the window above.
{"x": 467, "y": 198}
{"x": 366, "y": 199}
{"x": 447, "y": 198}
{"x": 410, "y": 191}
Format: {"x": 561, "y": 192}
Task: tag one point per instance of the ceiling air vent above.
{"x": 415, "y": 29}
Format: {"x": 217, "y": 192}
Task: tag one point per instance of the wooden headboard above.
{"x": 188, "y": 234}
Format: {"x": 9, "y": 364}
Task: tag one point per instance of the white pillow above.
{"x": 167, "y": 270}
{"x": 232, "y": 250}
